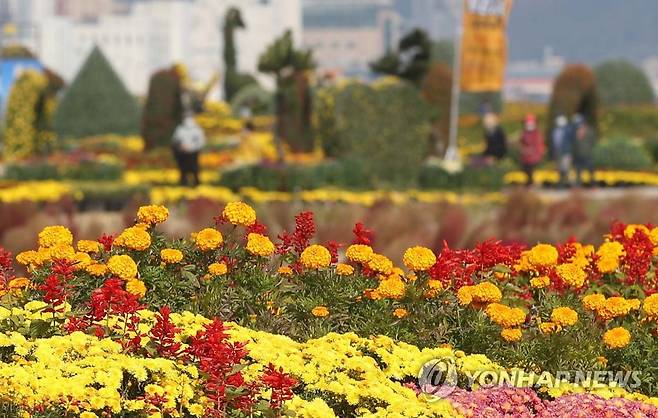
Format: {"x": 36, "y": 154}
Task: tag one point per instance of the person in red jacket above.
{"x": 532, "y": 147}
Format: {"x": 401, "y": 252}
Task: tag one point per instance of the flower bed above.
{"x": 358, "y": 328}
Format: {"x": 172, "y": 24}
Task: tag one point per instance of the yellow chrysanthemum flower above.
{"x": 343, "y": 269}
{"x": 315, "y": 257}
{"x": 122, "y": 266}
{"x": 511, "y": 335}
{"x": 419, "y": 258}
{"x": 543, "y": 255}
{"x": 136, "y": 287}
{"x": 564, "y": 316}
{"x": 89, "y": 246}
{"x": 208, "y": 239}
{"x": 134, "y": 238}
{"x": 616, "y": 338}
{"x": 359, "y": 253}
{"x": 239, "y": 213}
{"x": 51, "y": 236}
{"x": 259, "y": 245}
{"x": 152, "y": 214}
{"x": 171, "y": 255}
{"x": 320, "y": 311}
{"x": 217, "y": 269}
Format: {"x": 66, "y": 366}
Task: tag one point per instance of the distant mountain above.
{"x": 589, "y": 31}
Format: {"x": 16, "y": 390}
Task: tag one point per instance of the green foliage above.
{"x": 437, "y": 90}
{"x": 485, "y": 178}
{"x": 621, "y": 82}
{"x": 83, "y": 170}
{"x": 383, "y": 128}
{"x": 412, "y": 59}
{"x": 621, "y": 153}
{"x": 574, "y": 92}
{"x": 96, "y": 102}
{"x": 163, "y": 110}
{"x": 293, "y": 98}
{"x": 234, "y": 81}
{"x": 255, "y": 98}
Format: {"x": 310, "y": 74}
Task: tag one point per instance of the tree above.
{"x": 621, "y": 82}
{"x": 411, "y": 61}
{"x": 96, "y": 102}
{"x": 574, "y": 91}
{"x": 289, "y": 66}
{"x": 437, "y": 90}
{"x": 234, "y": 81}
{"x": 163, "y": 110}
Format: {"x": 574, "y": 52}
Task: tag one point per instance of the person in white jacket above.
{"x": 187, "y": 142}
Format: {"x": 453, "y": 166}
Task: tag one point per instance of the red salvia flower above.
{"x": 362, "y": 235}
{"x": 106, "y": 241}
{"x": 163, "y": 335}
{"x": 281, "y": 384}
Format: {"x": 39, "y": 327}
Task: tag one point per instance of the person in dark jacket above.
{"x": 532, "y": 147}
{"x": 584, "y": 139}
{"x": 495, "y": 139}
{"x": 561, "y": 138}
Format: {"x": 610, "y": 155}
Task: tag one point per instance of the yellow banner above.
{"x": 484, "y": 44}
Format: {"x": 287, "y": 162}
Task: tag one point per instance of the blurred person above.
{"x": 584, "y": 139}
{"x": 532, "y": 147}
{"x": 187, "y": 142}
{"x": 561, "y": 141}
{"x": 496, "y": 141}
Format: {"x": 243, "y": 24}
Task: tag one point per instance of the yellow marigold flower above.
{"x": 208, "y": 239}
{"x": 380, "y": 264}
{"x": 259, "y": 245}
{"x": 136, "y": 287}
{"x": 392, "y": 287}
{"x": 523, "y": 264}
{"x": 543, "y": 255}
{"x": 564, "y": 316}
{"x": 607, "y": 264}
{"x": 27, "y": 258}
{"x": 61, "y": 252}
{"x": 359, "y": 253}
{"x": 540, "y": 282}
{"x": 239, "y": 213}
{"x": 18, "y": 283}
{"x": 602, "y": 361}
{"x": 96, "y": 269}
{"x": 617, "y": 338}
{"x": 82, "y": 260}
{"x": 419, "y": 258}
{"x": 134, "y": 238}
{"x": 465, "y": 295}
{"x": 611, "y": 249}
{"x": 650, "y": 307}
{"x": 315, "y": 257}
{"x": 633, "y": 228}
{"x": 505, "y": 316}
{"x": 344, "y": 269}
{"x": 171, "y": 255}
{"x": 122, "y": 266}
{"x": 51, "y": 236}
{"x": 400, "y": 313}
{"x": 616, "y": 307}
{"x": 486, "y": 292}
{"x": 511, "y": 335}
{"x": 320, "y": 311}
{"x": 88, "y": 414}
{"x": 433, "y": 288}
{"x": 549, "y": 327}
{"x": 373, "y": 294}
{"x": 217, "y": 269}
{"x": 285, "y": 271}
{"x": 88, "y": 246}
{"x": 572, "y": 274}
{"x": 593, "y": 301}
{"x": 152, "y": 214}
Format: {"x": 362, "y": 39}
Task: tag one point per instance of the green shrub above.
{"x": 621, "y": 82}
{"x": 383, "y": 128}
{"x": 163, "y": 110}
{"x": 83, "y": 170}
{"x": 485, "y": 178}
{"x": 96, "y": 103}
{"x": 621, "y": 153}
